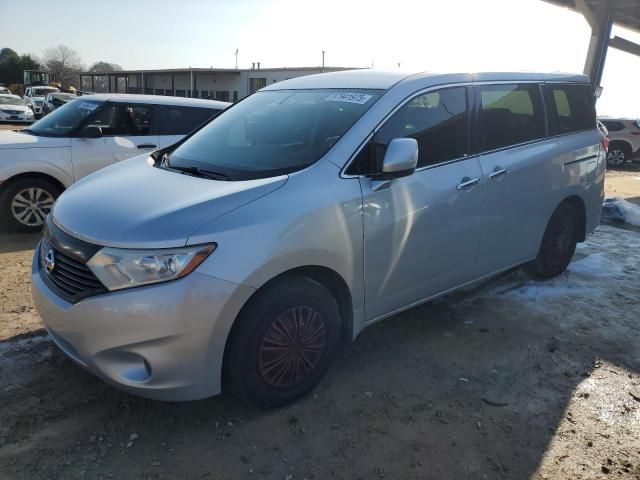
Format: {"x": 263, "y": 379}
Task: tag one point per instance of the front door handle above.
{"x": 147, "y": 145}
{"x": 467, "y": 182}
{"x": 498, "y": 172}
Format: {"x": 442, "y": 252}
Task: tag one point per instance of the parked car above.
{"x": 249, "y": 251}
{"x": 56, "y": 100}
{"x": 13, "y": 109}
{"x": 5, "y": 90}
{"x": 85, "y": 135}
{"x": 624, "y": 140}
{"x": 34, "y": 97}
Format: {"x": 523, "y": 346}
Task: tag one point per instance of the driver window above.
{"x": 104, "y": 119}
{"x": 438, "y": 120}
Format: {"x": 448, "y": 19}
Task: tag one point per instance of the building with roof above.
{"x": 225, "y": 84}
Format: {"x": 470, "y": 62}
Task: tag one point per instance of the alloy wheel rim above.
{"x": 616, "y": 157}
{"x": 292, "y": 347}
{"x": 561, "y": 242}
{"x": 31, "y": 205}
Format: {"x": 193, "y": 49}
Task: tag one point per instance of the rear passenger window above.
{"x": 437, "y": 120}
{"x": 183, "y": 120}
{"x": 571, "y": 108}
{"x": 132, "y": 120}
{"x": 509, "y": 115}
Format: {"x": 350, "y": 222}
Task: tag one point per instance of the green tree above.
{"x": 12, "y": 65}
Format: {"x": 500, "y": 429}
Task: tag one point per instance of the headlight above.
{"x": 28, "y": 112}
{"x": 122, "y": 268}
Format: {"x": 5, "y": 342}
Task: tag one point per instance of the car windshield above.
{"x": 41, "y": 92}
{"x": 273, "y": 132}
{"x": 63, "y": 120}
{"x": 11, "y": 101}
{"x": 62, "y": 96}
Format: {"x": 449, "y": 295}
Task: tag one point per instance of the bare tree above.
{"x": 63, "y": 64}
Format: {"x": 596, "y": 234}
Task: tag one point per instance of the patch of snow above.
{"x": 621, "y": 211}
{"x": 631, "y": 212}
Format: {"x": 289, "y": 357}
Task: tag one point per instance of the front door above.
{"x": 91, "y": 154}
{"x": 421, "y": 232}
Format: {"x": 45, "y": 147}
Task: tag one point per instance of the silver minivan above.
{"x": 248, "y": 252}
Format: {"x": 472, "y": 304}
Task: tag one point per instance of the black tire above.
{"x": 258, "y": 351}
{"x": 618, "y": 154}
{"x": 43, "y": 192}
{"x": 558, "y": 243}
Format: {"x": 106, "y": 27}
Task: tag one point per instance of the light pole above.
{"x": 236, "y": 58}
{"x": 322, "y": 60}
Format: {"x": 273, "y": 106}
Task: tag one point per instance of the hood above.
{"x": 136, "y": 205}
{"x": 15, "y": 108}
{"x": 10, "y": 139}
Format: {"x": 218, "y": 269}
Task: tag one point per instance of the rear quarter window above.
{"x": 571, "y": 108}
{"x": 176, "y": 120}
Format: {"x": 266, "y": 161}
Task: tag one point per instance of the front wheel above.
{"x": 283, "y": 343}
{"x": 25, "y": 203}
{"x": 558, "y": 243}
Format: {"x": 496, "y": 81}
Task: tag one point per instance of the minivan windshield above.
{"x": 41, "y": 92}
{"x": 273, "y": 132}
{"x": 62, "y": 121}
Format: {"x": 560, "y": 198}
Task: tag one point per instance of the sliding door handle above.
{"x": 498, "y": 173}
{"x": 147, "y": 145}
{"x": 467, "y": 182}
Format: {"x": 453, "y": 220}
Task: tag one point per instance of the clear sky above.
{"x": 434, "y": 35}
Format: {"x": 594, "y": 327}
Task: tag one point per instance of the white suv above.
{"x": 34, "y": 98}
{"x": 624, "y": 140}
{"x": 85, "y": 135}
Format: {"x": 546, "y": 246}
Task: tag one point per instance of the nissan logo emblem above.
{"x": 50, "y": 261}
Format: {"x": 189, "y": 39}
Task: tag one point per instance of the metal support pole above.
{"x": 191, "y": 84}
{"x": 173, "y": 84}
{"x": 601, "y": 22}
{"x": 109, "y": 77}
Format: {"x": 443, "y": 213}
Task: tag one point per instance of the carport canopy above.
{"x": 601, "y": 16}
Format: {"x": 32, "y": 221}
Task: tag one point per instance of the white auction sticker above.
{"x": 359, "y": 98}
{"x": 88, "y": 106}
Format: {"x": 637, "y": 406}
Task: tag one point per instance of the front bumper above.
{"x": 6, "y": 117}
{"x": 164, "y": 341}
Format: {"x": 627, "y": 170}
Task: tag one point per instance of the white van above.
{"x": 85, "y": 135}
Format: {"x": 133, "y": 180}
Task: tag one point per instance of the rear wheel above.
{"x": 283, "y": 342}
{"x": 25, "y": 203}
{"x": 558, "y": 243}
{"x": 618, "y": 154}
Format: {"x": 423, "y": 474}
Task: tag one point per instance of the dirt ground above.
{"x": 516, "y": 379}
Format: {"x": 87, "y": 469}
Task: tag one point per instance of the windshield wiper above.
{"x": 200, "y": 172}
{"x": 30, "y": 132}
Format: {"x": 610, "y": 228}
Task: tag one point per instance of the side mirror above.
{"x": 401, "y": 158}
{"x": 91, "y": 131}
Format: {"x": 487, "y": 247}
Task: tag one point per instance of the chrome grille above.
{"x": 71, "y": 279}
